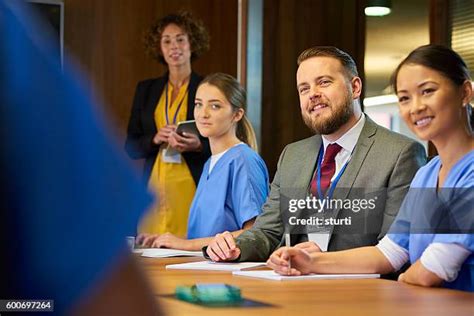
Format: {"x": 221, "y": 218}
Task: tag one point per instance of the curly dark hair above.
{"x": 194, "y": 28}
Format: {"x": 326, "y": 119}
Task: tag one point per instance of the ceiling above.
{"x": 390, "y": 38}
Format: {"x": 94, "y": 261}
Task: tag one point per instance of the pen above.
{"x": 288, "y": 244}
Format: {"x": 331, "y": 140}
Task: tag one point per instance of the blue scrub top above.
{"x": 230, "y": 195}
{"x": 452, "y": 205}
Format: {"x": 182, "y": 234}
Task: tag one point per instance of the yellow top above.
{"x": 171, "y": 182}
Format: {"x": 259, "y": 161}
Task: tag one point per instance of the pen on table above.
{"x": 288, "y": 244}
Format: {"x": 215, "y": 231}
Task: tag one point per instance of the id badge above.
{"x": 171, "y": 156}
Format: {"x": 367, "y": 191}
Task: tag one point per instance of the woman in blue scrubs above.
{"x": 234, "y": 183}
{"x": 434, "y": 228}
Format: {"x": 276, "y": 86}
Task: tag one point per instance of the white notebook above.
{"x": 165, "y": 253}
{"x": 215, "y": 266}
{"x": 271, "y": 275}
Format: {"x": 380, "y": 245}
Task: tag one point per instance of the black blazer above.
{"x": 141, "y": 126}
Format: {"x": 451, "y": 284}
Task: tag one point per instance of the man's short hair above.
{"x": 330, "y": 51}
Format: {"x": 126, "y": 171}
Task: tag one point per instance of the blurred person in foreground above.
{"x": 69, "y": 198}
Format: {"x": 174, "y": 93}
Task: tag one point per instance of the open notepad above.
{"x": 271, "y": 275}
{"x": 215, "y": 266}
{"x": 165, "y": 253}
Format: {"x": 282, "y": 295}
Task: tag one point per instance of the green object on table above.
{"x": 210, "y": 294}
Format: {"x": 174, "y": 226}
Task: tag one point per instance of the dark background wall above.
{"x": 289, "y": 28}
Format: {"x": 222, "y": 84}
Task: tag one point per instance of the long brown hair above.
{"x": 237, "y": 98}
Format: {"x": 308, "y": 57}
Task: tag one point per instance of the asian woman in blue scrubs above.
{"x": 434, "y": 90}
{"x": 234, "y": 183}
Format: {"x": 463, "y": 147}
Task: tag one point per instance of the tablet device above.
{"x": 187, "y": 127}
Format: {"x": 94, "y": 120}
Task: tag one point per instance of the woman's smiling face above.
{"x": 430, "y": 103}
{"x": 175, "y": 46}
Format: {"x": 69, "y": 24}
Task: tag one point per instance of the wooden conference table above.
{"x": 306, "y": 297}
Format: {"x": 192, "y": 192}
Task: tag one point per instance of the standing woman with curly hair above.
{"x": 173, "y": 162}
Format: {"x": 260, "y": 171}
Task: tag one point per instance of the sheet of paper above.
{"x": 165, "y": 253}
{"x": 271, "y": 275}
{"x": 215, "y": 266}
{"x": 139, "y": 250}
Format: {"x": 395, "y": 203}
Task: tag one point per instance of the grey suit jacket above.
{"x": 382, "y": 160}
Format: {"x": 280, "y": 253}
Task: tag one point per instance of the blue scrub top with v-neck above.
{"x": 230, "y": 195}
{"x": 410, "y": 229}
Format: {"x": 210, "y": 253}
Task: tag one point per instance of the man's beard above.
{"x": 339, "y": 116}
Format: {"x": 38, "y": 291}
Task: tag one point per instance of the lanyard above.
{"x": 318, "y": 175}
{"x": 177, "y": 110}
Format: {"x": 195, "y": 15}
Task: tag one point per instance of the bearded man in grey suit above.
{"x": 365, "y": 158}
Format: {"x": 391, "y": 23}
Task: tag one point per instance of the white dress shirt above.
{"x": 347, "y": 142}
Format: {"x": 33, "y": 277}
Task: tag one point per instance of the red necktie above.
{"x": 328, "y": 167}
